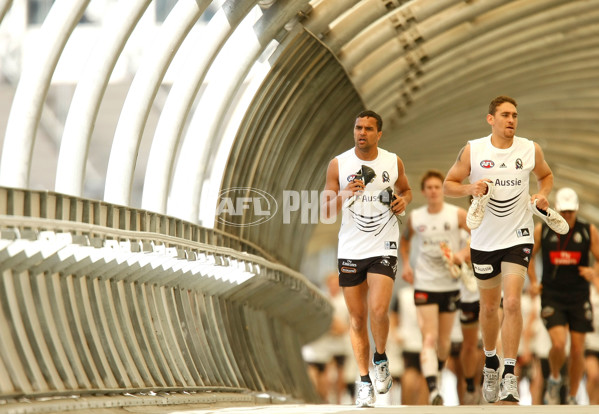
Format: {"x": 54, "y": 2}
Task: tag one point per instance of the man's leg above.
{"x": 355, "y": 299}
{"x": 380, "y": 288}
{"x": 511, "y": 331}
{"x": 428, "y": 321}
{"x": 557, "y": 353}
{"x": 490, "y": 299}
{"x": 557, "y": 358}
{"x": 469, "y": 359}
{"x": 576, "y": 369}
{"x": 446, "y": 320}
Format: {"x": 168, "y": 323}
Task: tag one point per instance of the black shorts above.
{"x": 353, "y": 272}
{"x": 469, "y": 312}
{"x": 591, "y": 353}
{"x": 411, "y": 360}
{"x": 487, "y": 265}
{"x": 577, "y": 314}
{"x": 447, "y": 301}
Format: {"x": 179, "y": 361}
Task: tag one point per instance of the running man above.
{"x": 498, "y": 167}
{"x": 435, "y": 226}
{"x": 369, "y": 185}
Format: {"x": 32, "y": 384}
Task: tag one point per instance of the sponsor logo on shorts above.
{"x": 523, "y": 232}
{"x": 482, "y": 269}
{"x": 526, "y": 250}
{"x": 547, "y": 311}
{"x": 347, "y": 269}
{"x": 391, "y": 245}
{"x": 385, "y": 262}
{"x": 487, "y": 164}
{"x": 348, "y": 263}
{"x": 420, "y": 297}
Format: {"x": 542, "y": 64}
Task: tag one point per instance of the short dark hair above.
{"x": 498, "y": 101}
{"x": 372, "y": 114}
{"x": 431, "y": 174}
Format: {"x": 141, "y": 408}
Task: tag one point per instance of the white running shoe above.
{"x": 382, "y": 377}
{"x": 552, "y": 393}
{"x": 471, "y": 398}
{"x": 509, "y": 389}
{"x": 468, "y": 277}
{"x": 476, "y": 212}
{"x": 553, "y": 219}
{"x": 365, "y": 395}
{"x": 491, "y": 384}
{"x": 447, "y": 254}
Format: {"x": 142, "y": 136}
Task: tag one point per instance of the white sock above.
{"x": 491, "y": 353}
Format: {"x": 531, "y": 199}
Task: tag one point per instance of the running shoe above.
{"x": 471, "y": 398}
{"x": 491, "y": 384}
{"x": 552, "y": 393}
{"x": 382, "y": 376}
{"x": 365, "y": 395}
{"x": 468, "y": 277}
{"x": 447, "y": 254}
{"x": 509, "y": 389}
{"x": 435, "y": 397}
{"x": 553, "y": 219}
{"x": 476, "y": 212}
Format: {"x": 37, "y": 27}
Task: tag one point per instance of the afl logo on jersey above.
{"x": 351, "y": 178}
{"x": 487, "y": 164}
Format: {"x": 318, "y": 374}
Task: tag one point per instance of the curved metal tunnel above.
{"x": 268, "y": 95}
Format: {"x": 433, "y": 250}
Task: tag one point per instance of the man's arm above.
{"x": 402, "y": 188}
{"x": 591, "y": 274}
{"x": 544, "y": 179}
{"x": 535, "y": 287}
{"x": 460, "y": 170}
{"x": 407, "y": 273}
{"x": 333, "y": 198}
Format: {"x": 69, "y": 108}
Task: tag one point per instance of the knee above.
{"x": 379, "y": 313}
{"x": 559, "y": 345}
{"x": 358, "y": 322}
{"x": 429, "y": 341}
{"x": 511, "y": 305}
{"x": 488, "y": 310}
{"x": 577, "y": 349}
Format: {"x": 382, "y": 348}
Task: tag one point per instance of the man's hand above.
{"x": 542, "y": 203}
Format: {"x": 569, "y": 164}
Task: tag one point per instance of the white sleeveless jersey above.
{"x": 430, "y": 230}
{"x": 592, "y": 338}
{"x": 507, "y": 221}
{"x": 368, "y": 227}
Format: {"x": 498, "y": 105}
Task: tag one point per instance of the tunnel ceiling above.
{"x": 430, "y": 68}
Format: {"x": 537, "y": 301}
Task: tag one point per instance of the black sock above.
{"x": 365, "y": 378}
{"x": 492, "y": 362}
{"x": 431, "y": 382}
{"x": 379, "y": 357}
{"x": 507, "y": 369}
{"x": 440, "y": 364}
{"x": 470, "y": 384}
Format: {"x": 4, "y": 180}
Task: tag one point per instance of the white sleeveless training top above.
{"x": 430, "y": 230}
{"x": 507, "y": 221}
{"x": 368, "y": 227}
